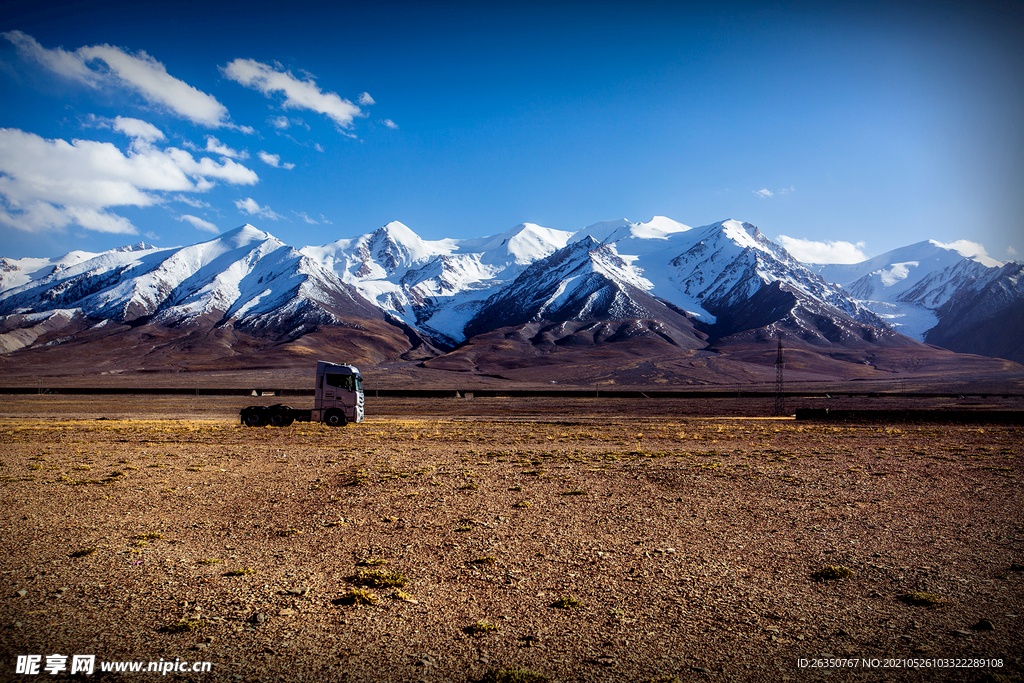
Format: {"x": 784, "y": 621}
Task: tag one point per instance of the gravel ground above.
{"x": 579, "y": 545}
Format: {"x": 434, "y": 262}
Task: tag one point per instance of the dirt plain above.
{"x": 580, "y": 540}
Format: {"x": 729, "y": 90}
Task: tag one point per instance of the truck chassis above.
{"x": 279, "y": 415}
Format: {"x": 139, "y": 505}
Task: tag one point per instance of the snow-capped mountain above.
{"x": 14, "y": 273}
{"x": 651, "y": 271}
{"x": 984, "y": 317}
{"x": 453, "y": 289}
{"x": 582, "y": 282}
{"x": 915, "y": 287}
{"x": 244, "y": 278}
{"x": 436, "y": 286}
{"x": 614, "y": 280}
{"x": 712, "y": 269}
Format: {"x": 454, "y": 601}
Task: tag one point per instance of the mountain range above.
{"x": 617, "y": 301}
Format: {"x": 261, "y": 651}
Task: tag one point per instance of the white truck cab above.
{"x": 339, "y": 394}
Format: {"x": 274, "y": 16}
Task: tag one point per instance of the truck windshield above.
{"x": 349, "y": 382}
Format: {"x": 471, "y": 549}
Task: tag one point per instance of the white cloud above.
{"x": 304, "y": 216}
{"x": 971, "y": 250}
{"x": 280, "y": 122}
{"x": 191, "y": 201}
{"x": 323, "y": 219}
{"x": 390, "y": 124}
{"x": 139, "y": 130}
{"x": 765, "y": 193}
{"x": 60, "y": 61}
{"x": 215, "y": 146}
{"x": 247, "y": 130}
{"x": 965, "y": 248}
{"x": 274, "y": 160}
{"x": 366, "y": 100}
{"x": 1011, "y": 252}
{"x": 49, "y": 184}
{"x": 249, "y": 206}
{"x": 199, "y": 223}
{"x": 149, "y": 77}
{"x": 298, "y": 94}
{"x": 100, "y": 65}
{"x": 205, "y": 168}
{"x": 98, "y": 220}
{"x": 318, "y": 147}
{"x": 810, "y": 251}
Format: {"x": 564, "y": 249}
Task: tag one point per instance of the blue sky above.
{"x": 844, "y": 130}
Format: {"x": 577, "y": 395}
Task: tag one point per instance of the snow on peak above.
{"x": 659, "y": 227}
{"x": 395, "y": 245}
{"x": 140, "y": 246}
{"x": 242, "y": 235}
{"x": 590, "y": 256}
{"x": 635, "y": 240}
{"x": 401, "y": 233}
{"x": 606, "y": 231}
{"x": 743, "y": 234}
{"x": 531, "y": 242}
{"x": 521, "y": 245}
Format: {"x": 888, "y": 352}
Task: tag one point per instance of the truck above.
{"x": 339, "y": 400}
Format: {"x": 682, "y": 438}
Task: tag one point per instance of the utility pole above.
{"x": 780, "y": 397}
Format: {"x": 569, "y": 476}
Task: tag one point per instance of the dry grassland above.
{"x": 573, "y": 546}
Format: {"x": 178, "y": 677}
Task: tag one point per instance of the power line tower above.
{"x": 780, "y": 397}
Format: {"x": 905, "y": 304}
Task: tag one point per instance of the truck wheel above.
{"x": 335, "y": 418}
{"x": 253, "y": 419}
{"x": 278, "y": 420}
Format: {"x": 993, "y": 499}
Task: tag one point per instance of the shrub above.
{"x": 834, "y": 573}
